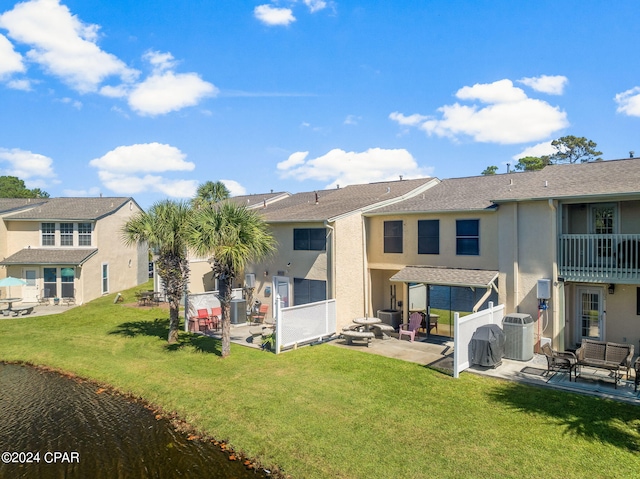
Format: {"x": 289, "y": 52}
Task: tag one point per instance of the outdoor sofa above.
{"x": 615, "y": 357}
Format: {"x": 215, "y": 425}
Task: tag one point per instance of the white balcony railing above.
{"x": 599, "y": 258}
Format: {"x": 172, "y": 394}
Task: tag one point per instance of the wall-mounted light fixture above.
{"x": 266, "y": 273}
{"x": 612, "y": 288}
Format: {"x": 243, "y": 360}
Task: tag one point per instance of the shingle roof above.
{"x": 10, "y": 204}
{"x": 50, "y": 256}
{"x": 337, "y": 202}
{"x": 71, "y": 209}
{"x": 258, "y": 200}
{"x": 614, "y": 177}
{"x": 479, "y": 278}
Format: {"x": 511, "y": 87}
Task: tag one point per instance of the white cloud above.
{"x": 294, "y": 159}
{"x": 272, "y": 16}
{"x": 508, "y": 117}
{"x": 551, "y": 84}
{"x": 10, "y": 60}
{"x": 168, "y": 91}
{"x": 541, "y": 149}
{"x": 93, "y": 191}
{"x": 147, "y": 157}
{"x": 343, "y": 168}
{"x": 629, "y": 102}
{"x": 352, "y": 120}
{"x": 315, "y": 5}
{"x": 133, "y": 169}
{"x": 63, "y": 45}
{"x": 24, "y": 85}
{"x": 235, "y": 188}
{"x": 28, "y": 166}
{"x": 410, "y": 120}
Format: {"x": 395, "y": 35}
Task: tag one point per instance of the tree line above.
{"x": 568, "y": 149}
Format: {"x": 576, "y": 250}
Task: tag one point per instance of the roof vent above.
{"x": 510, "y": 181}
{"x": 546, "y": 183}
{"x": 316, "y": 197}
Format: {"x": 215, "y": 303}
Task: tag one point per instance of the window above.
{"x": 66, "y": 234}
{"x": 84, "y": 234}
{"x": 105, "y": 278}
{"x": 30, "y": 277}
{"x": 429, "y": 237}
{"x": 50, "y": 282}
{"x": 468, "y": 237}
{"x": 309, "y": 239}
{"x": 393, "y": 236}
{"x": 67, "y": 289}
{"x": 48, "y": 234}
{"x": 308, "y": 291}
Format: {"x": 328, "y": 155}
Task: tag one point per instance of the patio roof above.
{"x": 472, "y": 278}
{"x": 74, "y": 257}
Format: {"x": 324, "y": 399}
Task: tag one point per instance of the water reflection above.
{"x": 46, "y": 413}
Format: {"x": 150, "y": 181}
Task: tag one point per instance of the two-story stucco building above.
{"x": 70, "y": 247}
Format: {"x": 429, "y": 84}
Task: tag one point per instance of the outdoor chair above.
{"x": 258, "y": 316}
{"x": 560, "y": 360}
{"x": 415, "y": 321}
{"x": 204, "y": 321}
{"x": 431, "y": 321}
{"x": 216, "y": 317}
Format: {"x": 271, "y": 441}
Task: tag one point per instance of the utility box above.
{"x": 544, "y": 289}
{"x": 518, "y": 332}
{"x": 238, "y": 311}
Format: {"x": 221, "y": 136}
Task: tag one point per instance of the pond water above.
{"x": 74, "y": 429}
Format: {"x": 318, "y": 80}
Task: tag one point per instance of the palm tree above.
{"x": 163, "y": 228}
{"x": 233, "y": 236}
{"x": 210, "y": 192}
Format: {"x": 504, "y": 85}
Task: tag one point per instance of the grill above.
{"x": 487, "y": 346}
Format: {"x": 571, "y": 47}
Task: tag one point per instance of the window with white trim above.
{"x": 48, "y": 234}
{"x": 66, "y": 234}
{"x": 105, "y": 278}
{"x": 84, "y": 234}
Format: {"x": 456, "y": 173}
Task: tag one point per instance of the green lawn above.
{"x": 322, "y": 411}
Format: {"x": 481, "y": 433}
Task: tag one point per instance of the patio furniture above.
{"x": 204, "y": 321}
{"x": 258, "y": 316}
{"x": 350, "y": 335}
{"x": 613, "y": 357}
{"x": 415, "y": 321}
{"x": 366, "y": 323}
{"x": 216, "y": 317}
{"x": 430, "y": 322}
{"x": 383, "y": 329}
{"x": 560, "y": 360}
{"x": 22, "y": 310}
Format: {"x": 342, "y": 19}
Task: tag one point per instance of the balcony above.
{"x": 600, "y": 258}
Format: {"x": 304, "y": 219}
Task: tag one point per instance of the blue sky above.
{"x": 148, "y": 99}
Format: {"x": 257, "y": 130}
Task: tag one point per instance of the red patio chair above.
{"x": 415, "y": 321}
{"x": 204, "y": 320}
{"x": 216, "y": 317}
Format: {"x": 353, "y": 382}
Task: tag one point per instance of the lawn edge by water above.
{"x": 324, "y": 411}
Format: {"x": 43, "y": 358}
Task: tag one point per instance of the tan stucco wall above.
{"x": 487, "y": 259}
{"x": 201, "y": 276}
{"x": 128, "y": 265}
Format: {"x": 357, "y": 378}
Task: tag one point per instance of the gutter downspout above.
{"x": 558, "y": 326}
{"x": 332, "y": 260}
{"x": 516, "y": 260}
{"x": 491, "y": 287}
{"x": 365, "y": 270}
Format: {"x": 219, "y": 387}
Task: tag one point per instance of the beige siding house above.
{"x": 321, "y": 245}
{"x": 70, "y": 247}
{"x": 577, "y": 226}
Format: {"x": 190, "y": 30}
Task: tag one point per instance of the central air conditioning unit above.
{"x": 518, "y": 332}
{"x": 250, "y": 280}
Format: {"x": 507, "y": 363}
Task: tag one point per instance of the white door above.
{"x": 30, "y": 290}
{"x": 590, "y": 313}
{"x": 281, "y": 288}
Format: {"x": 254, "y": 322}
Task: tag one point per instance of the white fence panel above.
{"x": 206, "y": 300}
{"x": 304, "y": 323}
{"x": 463, "y": 331}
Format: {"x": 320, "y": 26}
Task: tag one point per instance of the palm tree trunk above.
{"x": 225, "y": 299}
{"x": 174, "y": 321}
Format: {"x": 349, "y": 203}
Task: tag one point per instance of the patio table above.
{"x": 10, "y": 301}
{"x": 367, "y": 322}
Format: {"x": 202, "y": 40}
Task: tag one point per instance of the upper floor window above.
{"x": 66, "y": 234}
{"x": 84, "y": 234}
{"x": 309, "y": 239}
{"x": 393, "y": 236}
{"x": 48, "y": 234}
{"x": 429, "y": 237}
{"x": 468, "y": 237}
